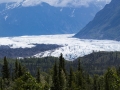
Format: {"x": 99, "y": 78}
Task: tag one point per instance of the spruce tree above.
{"x": 55, "y": 78}
{"x": 95, "y": 86}
{"x": 1, "y": 84}
{"x": 79, "y": 75}
{"x": 107, "y": 81}
{"x": 70, "y": 78}
{"x": 5, "y": 69}
{"x": 62, "y": 79}
{"x": 112, "y": 81}
{"x": 38, "y": 76}
{"x": 62, "y": 62}
{"x": 20, "y": 71}
{"x": 79, "y": 66}
{"x": 16, "y": 69}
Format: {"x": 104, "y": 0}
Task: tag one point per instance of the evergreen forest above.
{"x": 96, "y": 71}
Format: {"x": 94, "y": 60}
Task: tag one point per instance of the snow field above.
{"x": 71, "y": 48}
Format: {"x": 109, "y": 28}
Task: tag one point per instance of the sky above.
{"x": 56, "y": 3}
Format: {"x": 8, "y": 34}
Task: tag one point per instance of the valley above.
{"x": 70, "y": 46}
{"x": 60, "y": 44}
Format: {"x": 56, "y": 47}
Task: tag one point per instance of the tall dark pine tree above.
{"x": 16, "y": 69}
{"x": 62, "y": 63}
{"x": 79, "y": 66}
{"x": 95, "y": 87}
{"x": 62, "y": 72}
{"x": 5, "y": 70}
{"x": 55, "y": 78}
{"x": 1, "y": 85}
{"x": 70, "y": 81}
{"x": 79, "y": 75}
{"x": 20, "y": 70}
{"x": 38, "y": 76}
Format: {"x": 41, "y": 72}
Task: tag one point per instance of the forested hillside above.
{"x": 94, "y": 63}
{"x": 96, "y": 71}
{"x": 25, "y": 52}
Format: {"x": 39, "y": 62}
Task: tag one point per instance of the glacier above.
{"x": 71, "y": 49}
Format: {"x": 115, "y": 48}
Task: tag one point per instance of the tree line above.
{"x": 18, "y": 77}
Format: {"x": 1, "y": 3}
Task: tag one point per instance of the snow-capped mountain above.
{"x": 49, "y": 17}
{"x": 72, "y": 48}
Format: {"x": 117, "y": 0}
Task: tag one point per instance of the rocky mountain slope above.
{"x": 105, "y": 25}
{"x": 43, "y": 19}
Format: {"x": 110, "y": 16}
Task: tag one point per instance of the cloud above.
{"x": 56, "y": 3}
{"x": 11, "y": 1}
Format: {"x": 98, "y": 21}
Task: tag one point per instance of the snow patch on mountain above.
{"x": 71, "y": 48}
{"x": 55, "y": 3}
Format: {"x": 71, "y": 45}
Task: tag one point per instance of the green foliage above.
{"x": 112, "y": 82}
{"x": 62, "y": 63}
{"x": 62, "y": 80}
{"x": 26, "y": 82}
{"x": 16, "y": 69}
{"x": 5, "y": 70}
{"x": 46, "y": 86}
{"x": 64, "y": 75}
{"x": 55, "y": 78}
{"x": 1, "y": 84}
{"x": 38, "y": 76}
{"x": 71, "y": 80}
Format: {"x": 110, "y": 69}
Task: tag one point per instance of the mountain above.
{"x": 105, "y": 25}
{"x": 43, "y": 19}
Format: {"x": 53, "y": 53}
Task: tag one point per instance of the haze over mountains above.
{"x": 25, "y": 17}
{"x": 105, "y": 25}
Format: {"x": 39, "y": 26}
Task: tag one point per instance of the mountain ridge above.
{"x": 44, "y": 19}
{"x": 105, "y": 25}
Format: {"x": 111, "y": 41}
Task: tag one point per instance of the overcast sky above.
{"x": 57, "y": 3}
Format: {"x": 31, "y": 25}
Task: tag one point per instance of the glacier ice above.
{"x": 71, "y": 48}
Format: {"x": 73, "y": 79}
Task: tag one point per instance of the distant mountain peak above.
{"x": 43, "y": 19}
{"x": 55, "y": 3}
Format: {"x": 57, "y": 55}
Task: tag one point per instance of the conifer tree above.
{"x": 79, "y": 66}
{"x": 95, "y": 86}
{"x": 16, "y": 69}
{"x": 38, "y": 79}
{"x": 79, "y": 75}
{"x": 5, "y": 70}
{"x": 111, "y": 80}
{"x": 106, "y": 81}
{"x": 62, "y": 79}
{"x": 55, "y": 78}
{"x": 1, "y": 85}
{"x": 20, "y": 71}
{"x": 12, "y": 76}
{"x": 70, "y": 77}
{"x": 70, "y": 80}
{"x": 62, "y": 62}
